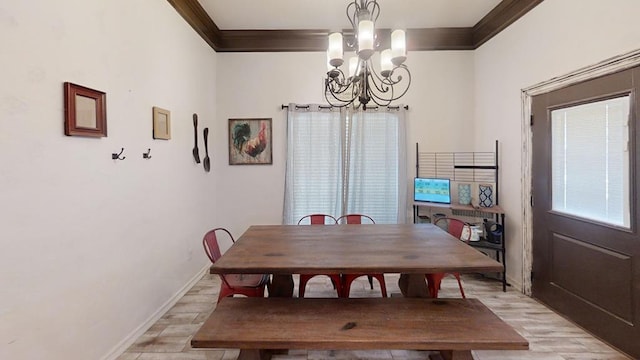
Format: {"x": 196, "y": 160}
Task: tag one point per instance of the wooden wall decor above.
{"x": 161, "y": 123}
{"x": 85, "y": 111}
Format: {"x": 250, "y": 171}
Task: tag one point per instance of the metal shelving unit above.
{"x": 472, "y": 167}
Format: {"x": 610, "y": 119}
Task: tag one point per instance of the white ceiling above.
{"x": 331, "y": 14}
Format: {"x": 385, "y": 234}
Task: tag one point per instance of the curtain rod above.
{"x": 406, "y": 107}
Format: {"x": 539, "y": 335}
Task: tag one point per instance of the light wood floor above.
{"x": 550, "y": 336}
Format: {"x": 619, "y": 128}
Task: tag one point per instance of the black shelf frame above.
{"x": 487, "y": 167}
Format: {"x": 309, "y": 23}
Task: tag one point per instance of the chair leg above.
{"x": 302, "y": 284}
{"x": 334, "y": 284}
{"x": 457, "y": 275}
{"x": 347, "y": 279}
{"x": 370, "y": 278}
{"x": 383, "y": 285}
{"x": 346, "y": 288}
{"x": 433, "y": 283}
{"x": 224, "y": 292}
{"x": 335, "y": 280}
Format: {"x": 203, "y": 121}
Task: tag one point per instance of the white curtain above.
{"x": 341, "y": 162}
{"x": 314, "y": 149}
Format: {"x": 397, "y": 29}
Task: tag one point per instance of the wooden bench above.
{"x": 257, "y": 326}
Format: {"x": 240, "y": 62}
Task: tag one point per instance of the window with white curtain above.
{"x": 341, "y": 162}
{"x": 590, "y": 161}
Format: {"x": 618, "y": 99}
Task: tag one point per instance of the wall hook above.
{"x": 115, "y": 156}
{"x": 146, "y": 155}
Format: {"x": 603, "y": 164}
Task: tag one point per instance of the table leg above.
{"x": 413, "y": 286}
{"x": 281, "y": 286}
{"x": 456, "y": 355}
{"x": 254, "y": 354}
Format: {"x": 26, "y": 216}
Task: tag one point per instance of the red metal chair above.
{"x": 319, "y": 219}
{"x": 347, "y": 279}
{"x": 242, "y": 284}
{"x": 460, "y": 230}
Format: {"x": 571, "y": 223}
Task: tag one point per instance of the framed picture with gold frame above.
{"x": 161, "y": 123}
{"x": 85, "y": 111}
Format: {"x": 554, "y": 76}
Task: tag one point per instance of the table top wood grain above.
{"x": 362, "y": 323}
{"x": 335, "y": 249}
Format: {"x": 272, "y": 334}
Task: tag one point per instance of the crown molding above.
{"x": 498, "y": 19}
{"x": 503, "y": 15}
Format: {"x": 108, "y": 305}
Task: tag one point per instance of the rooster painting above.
{"x": 250, "y": 139}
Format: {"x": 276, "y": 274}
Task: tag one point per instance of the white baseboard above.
{"x": 515, "y": 285}
{"x": 135, "y": 334}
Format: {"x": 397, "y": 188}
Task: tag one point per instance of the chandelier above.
{"x": 363, "y": 84}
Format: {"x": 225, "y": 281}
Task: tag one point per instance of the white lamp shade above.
{"x": 335, "y": 46}
{"x": 385, "y": 62}
{"x": 398, "y": 44}
{"x": 365, "y": 39}
{"x": 353, "y": 66}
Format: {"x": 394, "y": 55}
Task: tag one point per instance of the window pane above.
{"x": 590, "y": 161}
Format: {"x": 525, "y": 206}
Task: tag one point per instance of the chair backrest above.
{"x": 455, "y": 227}
{"x": 354, "y": 219}
{"x": 210, "y": 243}
{"x": 318, "y": 219}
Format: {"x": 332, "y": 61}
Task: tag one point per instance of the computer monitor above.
{"x": 433, "y": 190}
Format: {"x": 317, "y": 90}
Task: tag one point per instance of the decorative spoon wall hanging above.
{"x": 206, "y": 161}
{"x": 196, "y": 154}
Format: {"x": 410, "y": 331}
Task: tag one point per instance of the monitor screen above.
{"x": 432, "y": 190}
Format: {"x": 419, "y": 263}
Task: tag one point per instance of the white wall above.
{"x": 556, "y": 37}
{"x": 257, "y": 84}
{"x": 92, "y": 247}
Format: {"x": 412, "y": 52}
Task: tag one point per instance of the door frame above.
{"x": 611, "y": 65}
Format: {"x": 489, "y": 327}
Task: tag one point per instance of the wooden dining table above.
{"x": 409, "y": 249}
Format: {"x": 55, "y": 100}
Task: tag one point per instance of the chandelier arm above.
{"x": 340, "y": 103}
{"x": 342, "y": 86}
{"x": 335, "y": 99}
{"x": 331, "y": 84}
{"x": 382, "y": 81}
{"x": 400, "y": 78}
{"x": 380, "y": 102}
{"x": 382, "y": 97}
{"x": 388, "y": 86}
{"x": 337, "y": 105}
{"x": 335, "y": 88}
{"x": 389, "y": 79}
{"x": 352, "y": 17}
{"x": 375, "y": 98}
{"x": 374, "y": 10}
{"x": 392, "y": 83}
{"x": 339, "y": 83}
{"x": 339, "y": 78}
